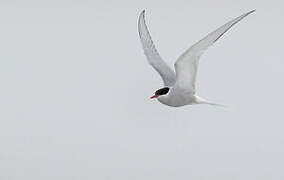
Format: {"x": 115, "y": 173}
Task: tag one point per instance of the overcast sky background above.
{"x": 75, "y": 88}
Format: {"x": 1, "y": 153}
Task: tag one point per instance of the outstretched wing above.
{"x": 152, "y": 54}
{"x": 187, "y": 64}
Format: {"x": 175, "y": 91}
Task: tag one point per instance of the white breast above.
{"x": 177, "y": 98}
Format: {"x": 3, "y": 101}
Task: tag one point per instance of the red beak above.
{"x": 155, "y": 96}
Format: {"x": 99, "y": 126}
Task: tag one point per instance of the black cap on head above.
{"x": 162, "y": 91}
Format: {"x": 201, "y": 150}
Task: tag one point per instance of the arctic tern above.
{"x": 179, "y": 86}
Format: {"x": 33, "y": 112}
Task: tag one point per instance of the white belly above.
{"x": 177, "y": 100}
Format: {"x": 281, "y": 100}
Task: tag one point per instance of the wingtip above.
{"x": 143, "y": 12}
{"x": 251, "y": 11}
{"x": 141, "y": 21}
{"x": 246, "y": 14}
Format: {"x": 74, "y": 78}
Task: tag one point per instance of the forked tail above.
{"x": 199, "y": 100}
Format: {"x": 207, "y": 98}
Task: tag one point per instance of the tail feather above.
{"x": 199, "y": 100}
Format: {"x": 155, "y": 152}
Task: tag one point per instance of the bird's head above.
{"x": 161, "y": 92}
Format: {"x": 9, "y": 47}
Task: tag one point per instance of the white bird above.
{"x": 179, "y": 88}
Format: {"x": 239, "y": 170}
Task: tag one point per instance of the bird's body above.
{"x": 179, "y": 88}
{"x": 177, "y": 97}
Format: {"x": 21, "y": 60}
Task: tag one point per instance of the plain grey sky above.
{"x": 75, "y": 88}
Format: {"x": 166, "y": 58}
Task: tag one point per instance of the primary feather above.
{"x": 153, "y": 57}
{"x": 187, "y": 64}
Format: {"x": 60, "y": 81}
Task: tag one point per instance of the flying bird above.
{"x": 179, "y": 86}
